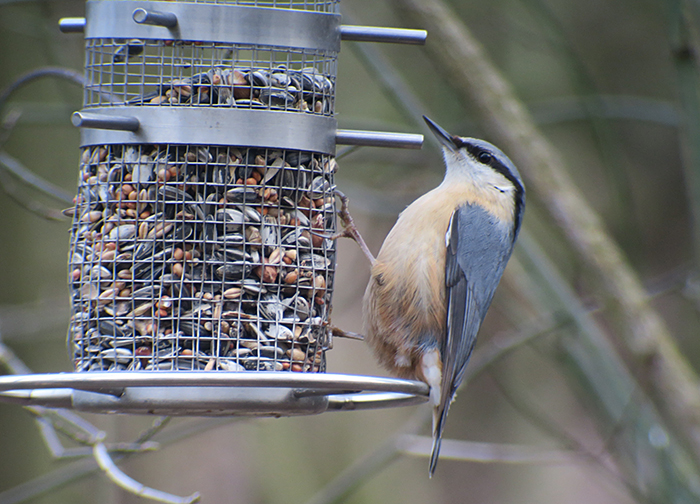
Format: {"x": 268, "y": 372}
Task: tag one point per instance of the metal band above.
{"x": 216, "y": 23}
{"x": 217, "y": 126}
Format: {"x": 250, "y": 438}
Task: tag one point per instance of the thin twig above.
{"x": 11, "y": 165}
{"x": 501, "y": 344}
{"x": 10, "y": 188}
{"x": 23, "y": 80}
{"x": 131, "y": 485}
{"x": 387, "y": 452}
{"x": 68, "y": 423}
{"x": 49, "y": 482}
{"x": 11, "y": 362}
{"x": 370, "y": 465}
{"x": 76, "y": 470}
{"x": 539, "y": 419}
{"x": 346, "y": 151}
{"x": 54, "y": 420}
{"x": 595, "y": 360}
{"x": 58, "y": 451}
{"x": 487, "y": 453}
{"x": 158, "y": 425}
{"x": 16, "y": 168}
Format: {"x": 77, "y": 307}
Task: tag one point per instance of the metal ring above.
{"x": 217, "y": 126}
{"x": 200, "y": 22}
{"x": 210, "y": 393}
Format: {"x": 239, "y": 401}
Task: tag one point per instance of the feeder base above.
{"x": 186, "y": 393}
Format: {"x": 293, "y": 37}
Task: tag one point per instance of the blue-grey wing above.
{"x": 478, "y": 248}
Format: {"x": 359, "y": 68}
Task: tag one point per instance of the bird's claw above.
{"x": 349, "y": 228}
{"x": 340, "y": 333}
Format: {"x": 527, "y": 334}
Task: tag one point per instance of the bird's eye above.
{"x": 485, "y": 157}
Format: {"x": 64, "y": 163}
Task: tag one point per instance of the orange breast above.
{"x": 404, "y": 303}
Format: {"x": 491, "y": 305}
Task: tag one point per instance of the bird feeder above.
{"x": 201, "y": 265}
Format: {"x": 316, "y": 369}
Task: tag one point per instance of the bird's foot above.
{"x": 349, "y": 228}
{"x": 340, "y": 333}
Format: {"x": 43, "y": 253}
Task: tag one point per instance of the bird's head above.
{"x": 482, "y": 164}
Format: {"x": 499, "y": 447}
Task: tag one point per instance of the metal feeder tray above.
{"x": 197, "y": 393}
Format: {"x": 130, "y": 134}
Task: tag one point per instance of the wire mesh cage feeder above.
{"x": 200, "y": 241}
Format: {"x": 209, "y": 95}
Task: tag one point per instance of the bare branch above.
{"x": 13, "y": 166}
{"x": 369, "y": 465}
{"x": 131, "y": 485}
{"x": 472, "y": 451}
{"x": 10, "y": 188}
{"x": 16, "y": 168}
{"x": 23, "y": 80}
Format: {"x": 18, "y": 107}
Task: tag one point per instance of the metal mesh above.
{"x": 163, "y": 73}
{"x": 186, "y": 257}
{"x": 189, "y": 257}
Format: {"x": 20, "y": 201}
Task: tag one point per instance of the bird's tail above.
{"x": 439, "y": 417}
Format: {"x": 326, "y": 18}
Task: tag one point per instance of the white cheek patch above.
{"x": 487, "y": 177}
{"x": 460, "y": 166}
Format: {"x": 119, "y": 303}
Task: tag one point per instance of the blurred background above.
{"x": 582, "y": 388}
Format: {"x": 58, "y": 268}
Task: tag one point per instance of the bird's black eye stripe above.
{"x": 498, "y": 167}
{"x": 482, "y": 155}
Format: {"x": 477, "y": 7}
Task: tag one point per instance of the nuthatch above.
{"x": 438, "y": 269}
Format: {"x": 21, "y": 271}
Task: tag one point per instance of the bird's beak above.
{"x": 443, "y": 136}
